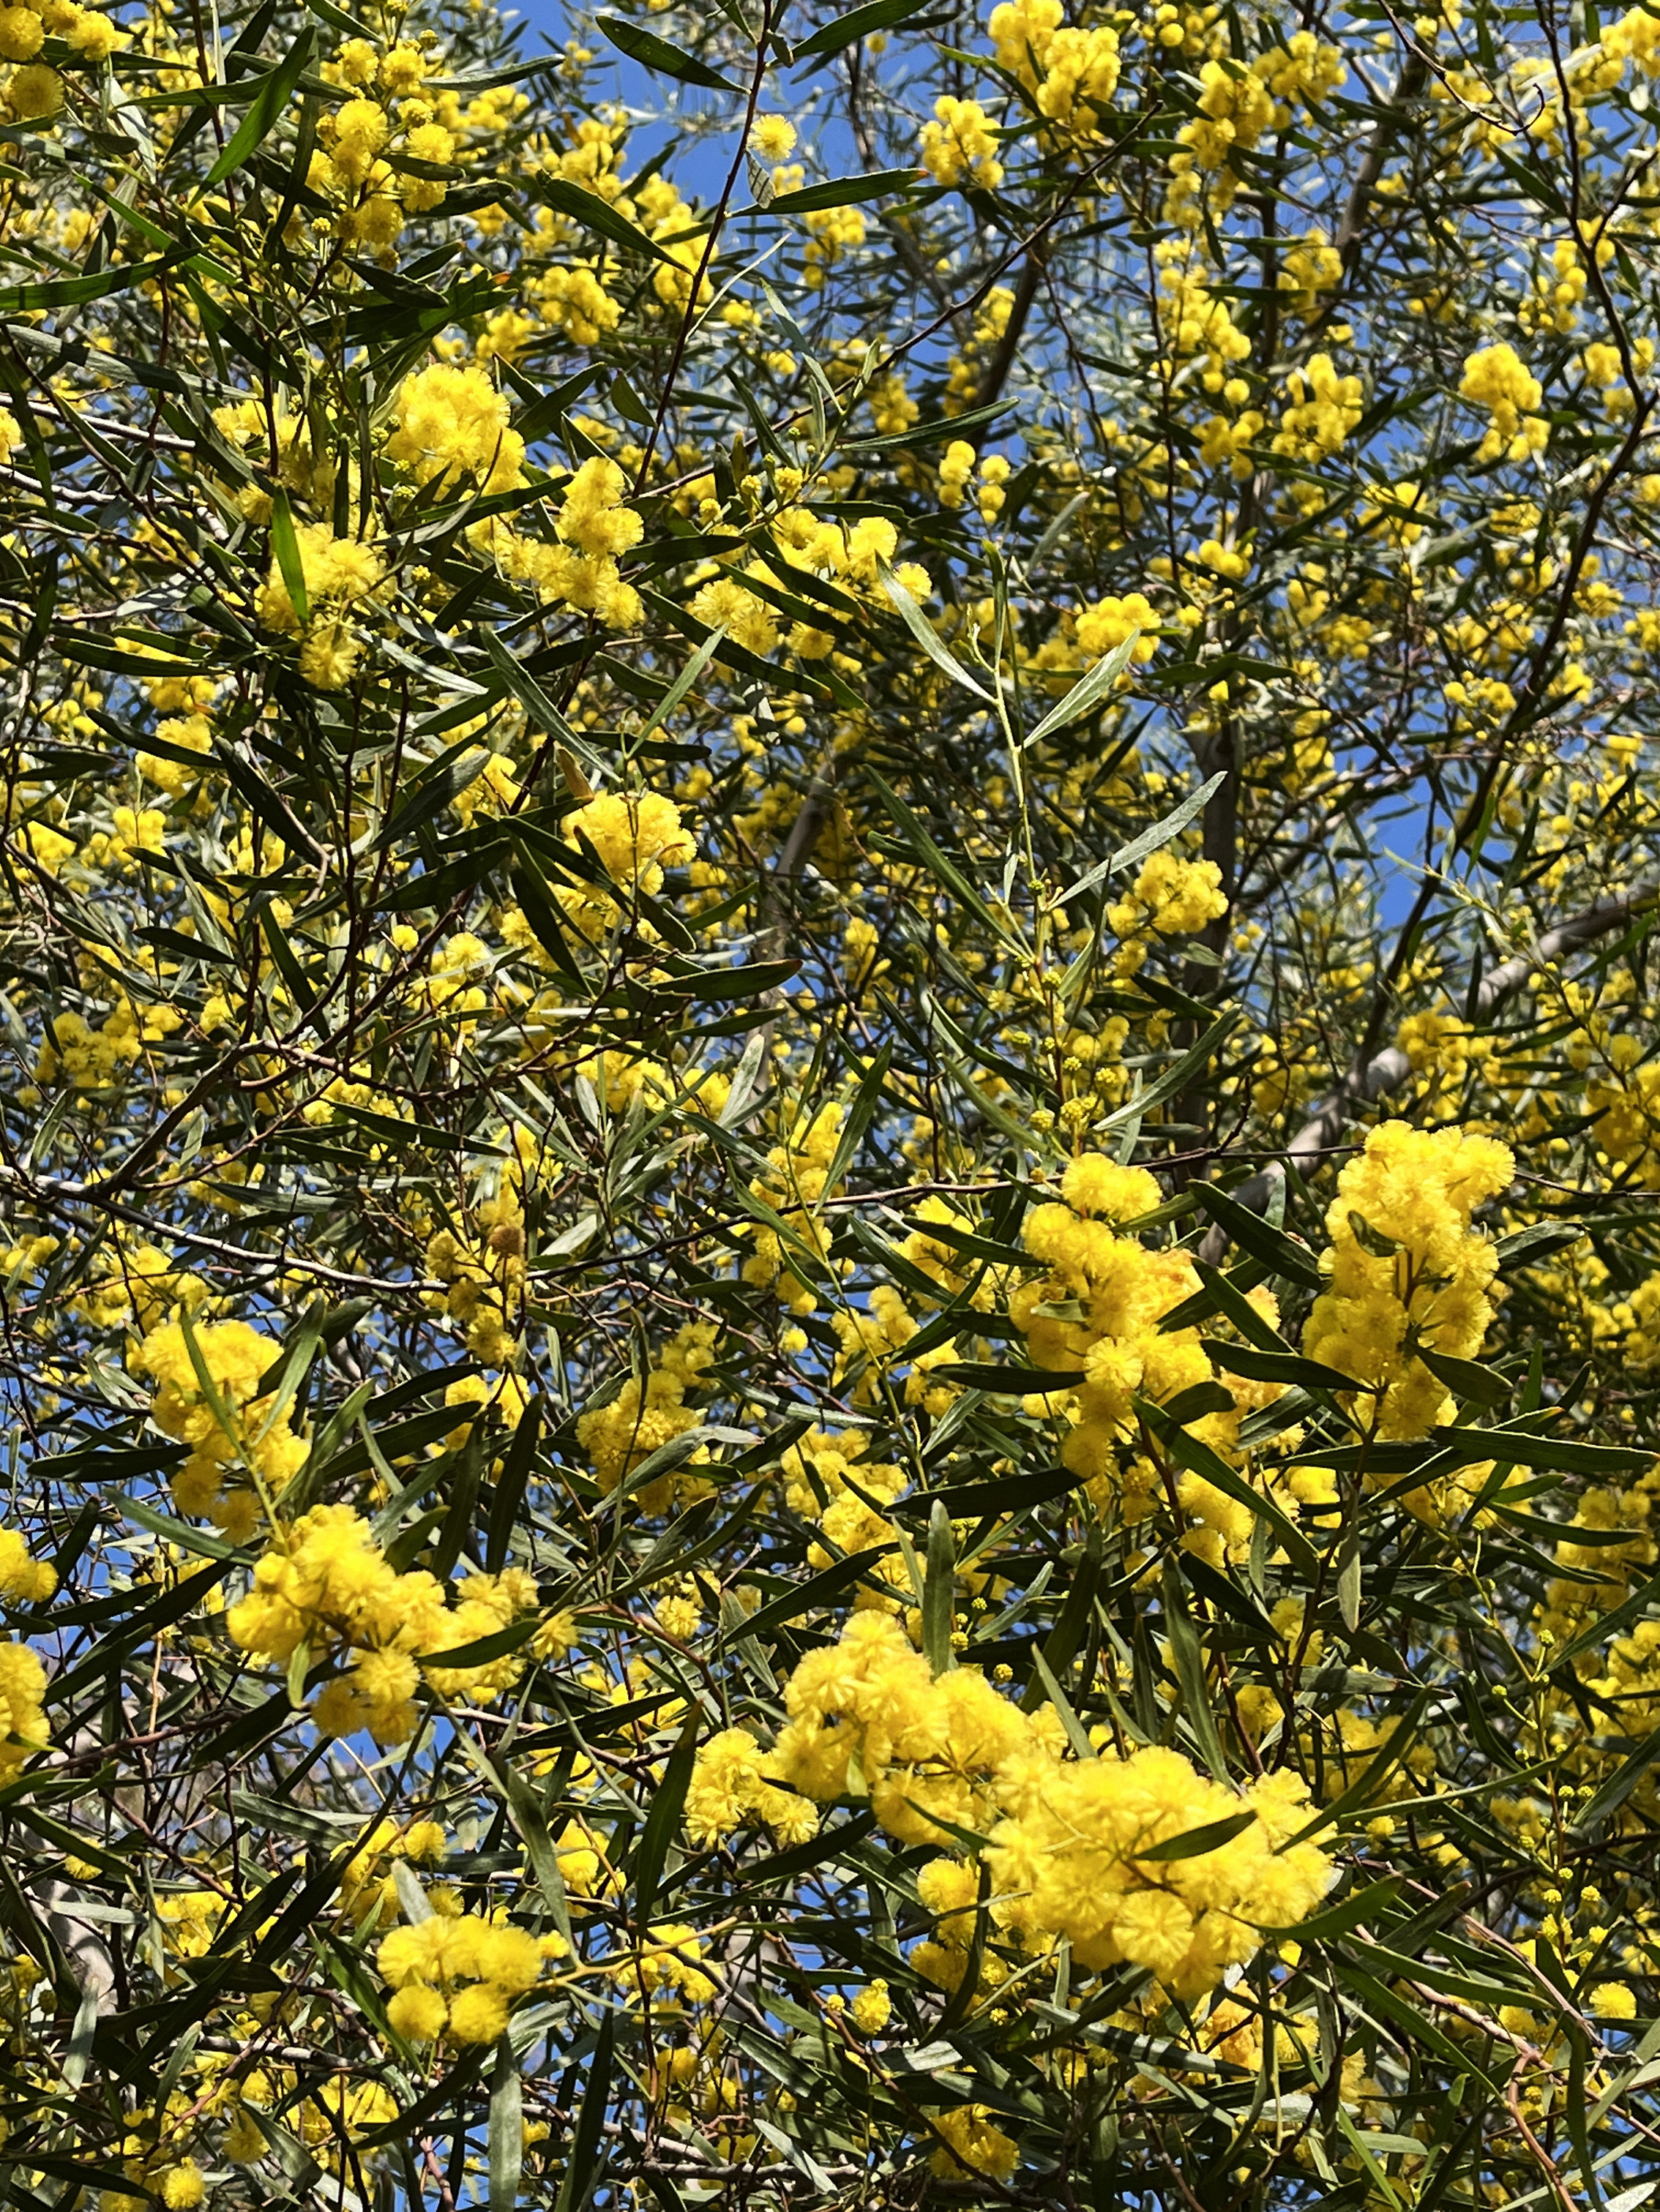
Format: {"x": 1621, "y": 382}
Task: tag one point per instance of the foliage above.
{"x": 832, "y": 1299}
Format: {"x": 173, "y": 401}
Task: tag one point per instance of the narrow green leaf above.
{"x": 1286, "y": 1254}
{"x": 1177, "y": 1077}
{"x": 923, "y": 631}
{"x": 663, "y": 1819}
{"x": 858, "y": 23}
{"x": 1187, "y": 1657}
{"x": 1477, "y": 1385}
{"x": 286, "y": 546}
{"x": 842, "y": 192}
{"x": 659, "y": 55}
{"x": 567, "y": 198}
{"x": 829, "y": 1582}
{"x": 582, "y": 2168}
{"x": 1198, "y": 1459}
{"x": 1149, "y": 842}
{"x": 939, "y": 1592}
{"x": 1197, "y": 1841}
{"x": 1286, "y": 1367}
{"x": 265, "y": 112}
{"x": 1089, "y": 690}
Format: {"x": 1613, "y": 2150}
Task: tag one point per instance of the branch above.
{"x": 1351, "y": 230}
{"x": 1389, "y": 1070}
{"x": 996, "y": 375}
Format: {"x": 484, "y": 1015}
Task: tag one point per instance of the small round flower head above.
{"x": 1094, "y": 1184}
{"x": 772, "y": 137}
{"x": 418, "y": 2011}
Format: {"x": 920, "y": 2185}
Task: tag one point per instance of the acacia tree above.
{"x": 831, "y": 1300}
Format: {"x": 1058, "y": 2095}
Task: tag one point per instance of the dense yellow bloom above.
{"x": 729, "y": 1787}
{"x": 462, "y": 1973}
{"x": 868, "y": 1707}
{"x": 1497, "y": 378}
{"x": 24, "y": 1580}
{"x": 973, "y": 2144}
{"x": 773, "y": 137}
{"x": 960, "y": 144}
{"x": 1066, "y": 1862}
{"x": 212, "y": 1402}
{"x": 22, "y": 1707}
{"x": 645, "y": 1415}
{"x": 454, "y": 422}
{"x": 1406, "y": 1267}
{"x": 1104, "y": 627}
{"x": 325, "y": 1584}
{"x": 1171, "y": 897}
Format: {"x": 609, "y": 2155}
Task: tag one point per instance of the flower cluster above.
{"x": 1498, "y": 380}
{"x": 648, "y": 1412}
{"x": 867, "y": 1713}
{"x": 729, "y": 1790}
{"x": 1171, "y": 897}
{"x": 327, "y": 1585}
{"x": 1077, "y": 1848}
{"x": 459, "y": 1974}
{"x": 22, "y": 1707}
{"x": 960, "y": 144}
{"x": 634, "y": 836}
{"x": 208, "y": 1397}
{"x": 1072, "y": 72}
{"x": 1071, "y": 1861}
{"x": 1406, "y": 1268}
{"x": 338, "y": 579}
{"x": 452, "y": 423}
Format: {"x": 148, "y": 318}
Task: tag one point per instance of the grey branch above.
{"x": 1389, "y": 1069}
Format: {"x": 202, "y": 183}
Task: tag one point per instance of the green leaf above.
{"x": 829, "y": 1582}
{"x": 1177, "y": 1076}
{"x": 858, "y": 23}
{"x": 1286, "y": 1367}
{"x": 1005, "y": 1494}
{"x": 842, "y": 192}
{"x": 1089, "y": 691}
{"x": 1360, "y": 1905}
{"x": 566, "y": 198}
{"x": 667, "y": 1802}
{"x": 264, "y": 111}
{"x": 1477, "y": 1385}
{"x": 923, "y": 631}
{"x": 1372, "y": 1240}
{"x": 1197, "y": 1841}
{"x": 582, "y": 2168}
{"x": 1620, "y": 1784}
{"x": 1526, "y": 1448}
{"x": 1530, "y": 1248}
{"x": 1602, "y": 1631}
{"x": 480, "y": 1649}
{"x": 1283, "y": 1255}
{"x": 939, "y": 1592}
{"x": 286, "y": 546}
{"x": 657, "y": 54}
{"x": 1149, "y": 842}
{"x": 75, "y": 292}
{"x": 1231, "y": 1302}
{"x": 939, "y": 864}
{"x": 1008, "y": 1381}
{"x": 1198, "y": 1459}
{"x": 1187, "y": 1657}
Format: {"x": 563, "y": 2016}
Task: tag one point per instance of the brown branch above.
{"x": 1389, "y": 1069}
{"x": 996, "y": 372}
{"x": 1351, "y": 229}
